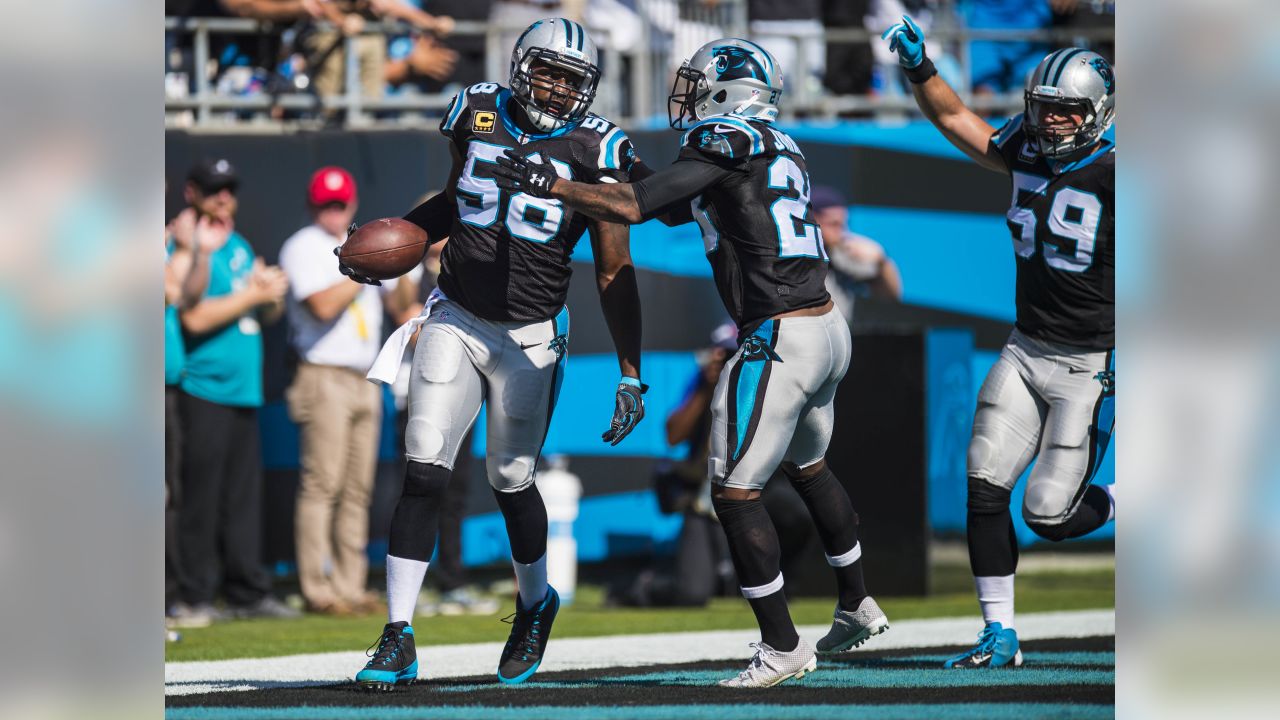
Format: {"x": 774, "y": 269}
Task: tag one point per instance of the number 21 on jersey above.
{"x": 1074, "y": 215}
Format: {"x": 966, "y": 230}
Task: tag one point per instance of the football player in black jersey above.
{"x": 744, "y": 182}
{"x": 1051, "y": 393}
{"x": 496, "y": 329}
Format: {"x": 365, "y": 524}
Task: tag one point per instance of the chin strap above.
{"x": 755, "y": 95}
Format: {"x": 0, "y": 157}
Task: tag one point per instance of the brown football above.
{"x": 385, "y": 248}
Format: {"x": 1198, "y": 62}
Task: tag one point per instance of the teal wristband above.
{"x": 627, "y": 380}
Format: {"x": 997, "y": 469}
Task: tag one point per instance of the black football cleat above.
{"x": 394, "y": 661}
{"x": 530, "y": 631}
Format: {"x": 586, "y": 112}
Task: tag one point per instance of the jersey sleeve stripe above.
{"x": 609, "y": 155}
{"x": 1002, "y": 136}
{"x": 459, "y": 102}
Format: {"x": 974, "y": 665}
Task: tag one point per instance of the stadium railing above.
{"x": 634, "y": 97}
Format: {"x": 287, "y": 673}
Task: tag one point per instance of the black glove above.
{"x": 517, "y": 173}
{"x": 346, "y": 270}
{"x": 628, "y": 411}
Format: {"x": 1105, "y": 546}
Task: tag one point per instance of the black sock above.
{"x": 526, "y": 518}
{"x": 753, "y": 545}
{"x": 776, "y": 629}
{"x": 837, "y": 524}
{"x": 993, "y": 547}
{"x": 416, "y": 520}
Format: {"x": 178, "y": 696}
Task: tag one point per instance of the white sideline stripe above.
{"x": 448, "y": 661}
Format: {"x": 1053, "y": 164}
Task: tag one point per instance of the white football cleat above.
{"x": 849, "y": 629}
{"x": 769, "y": 667}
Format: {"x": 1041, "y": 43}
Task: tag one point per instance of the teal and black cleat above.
{"x": 394, "y": 661}
{"x": 997, "y": 647}
{"x": 530, "y": 631}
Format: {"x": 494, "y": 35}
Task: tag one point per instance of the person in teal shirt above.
{"x": 189, "y": 241}
{"x": 220, "y": 519}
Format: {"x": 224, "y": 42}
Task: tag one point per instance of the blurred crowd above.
{"x": 410, "y": 47}
{"x": 218, "y": 295}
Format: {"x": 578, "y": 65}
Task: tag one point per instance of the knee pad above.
{"x": 509, "y": 474}
{"x": 424, "y": 443}
{"x": 986, "y": 498}
{"x": 425, "y": 480}
{"x": 1046, "y": 502}
{"x": 1057, "y": 532}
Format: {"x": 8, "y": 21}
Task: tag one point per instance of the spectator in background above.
{"x": 327, "y": 46}
{"x": 1001, "y": 67}
{"x": 849, "y": 64}
{"x": 791, "y": 30}
{"x": 239, "y": 62}
{"x": 189, "y": 241}
{"x": 335, "y": 331}
{"x": 859, "y": 265}
{"x": 702, "y": 566}
{"x": 1086, "y": 15}
{"x": 426, "y": 63}
{"x": 220, "y": 535}
{"x": 419, "y": 63}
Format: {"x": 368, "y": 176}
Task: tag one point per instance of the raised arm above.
{"x": 960, "y": 125}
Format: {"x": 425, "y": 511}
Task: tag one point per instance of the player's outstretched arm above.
{"x": 611, "y": 202}
{"x": 620, "y": 302}
{"x": 960, "y": 125}
{"x": 629, "y": 203}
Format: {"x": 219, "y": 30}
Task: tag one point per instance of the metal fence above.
{"x": 639, "y": 53}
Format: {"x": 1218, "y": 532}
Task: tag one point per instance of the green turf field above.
{"x": 1042, "y": 590}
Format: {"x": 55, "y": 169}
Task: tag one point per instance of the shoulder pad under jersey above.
{"x": 606, "y": 148}
{"x": 481, "y": 96}
{"x": 725, "y": 136}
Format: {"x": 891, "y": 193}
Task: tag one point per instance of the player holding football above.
{"x": 745, "y": 184}
{"x": 496, "y": 329}
{"x": 1051, "y": 393}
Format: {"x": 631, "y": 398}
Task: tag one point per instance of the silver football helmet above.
{"x": 555, "y": 43}
{"x": 1070, "y": 82}
{"x": 726, "y": 77}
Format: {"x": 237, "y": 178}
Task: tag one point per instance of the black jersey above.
{"x": 1063, "y": 225}
{"x": 757, "y": 225}
{"x": 508, "y": 256}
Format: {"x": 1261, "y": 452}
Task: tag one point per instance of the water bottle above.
{"x": 561, "y": 491}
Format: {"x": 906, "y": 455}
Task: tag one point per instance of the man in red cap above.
{"x": 335, "y": 332}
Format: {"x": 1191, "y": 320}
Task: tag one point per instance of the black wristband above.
{"x": 922, "y": 72}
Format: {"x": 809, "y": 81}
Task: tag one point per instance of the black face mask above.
{"x": 684, "y": 97}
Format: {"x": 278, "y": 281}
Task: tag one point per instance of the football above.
{"x": 385, "y": 248}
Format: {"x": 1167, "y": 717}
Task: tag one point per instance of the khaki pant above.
{"x": 338, "y": 414}
{"x": 371, "y": 54}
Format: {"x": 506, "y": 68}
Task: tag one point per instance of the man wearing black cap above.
{"x": 220, "y": 523}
